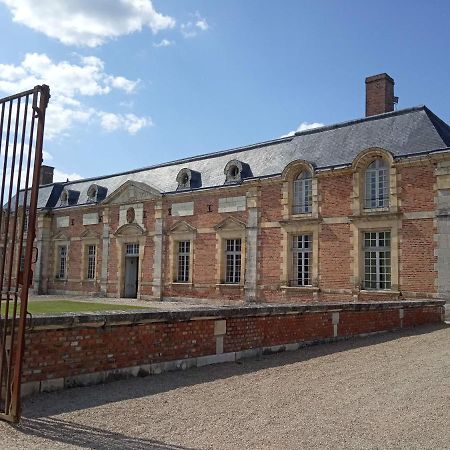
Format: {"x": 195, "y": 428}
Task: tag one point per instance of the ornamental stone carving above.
{"x": 131, "y": 215}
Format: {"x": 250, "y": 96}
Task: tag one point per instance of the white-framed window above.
{"x": 183, "y": 261}
{"x": 376, "y": 185}
{"x": 62, "y": 261}
{"x": 302, "y": 193}
{"x": 91, "y": 256}
{"x": 301, "y": 260}
{"x": 377, "y": 259}
{"x": 232, "y": 252}
{"x": 132, "y": 249}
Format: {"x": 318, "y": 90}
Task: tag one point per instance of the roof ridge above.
{"x": 361, "y": 120}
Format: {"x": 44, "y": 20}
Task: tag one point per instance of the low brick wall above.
{"x": 75, "y": 350}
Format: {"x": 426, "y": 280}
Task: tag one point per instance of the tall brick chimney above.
{"x": 46, "y": 175}
{"x": 379, "y": 94}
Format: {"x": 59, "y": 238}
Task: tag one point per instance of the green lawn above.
{"x": 61, "y": 306}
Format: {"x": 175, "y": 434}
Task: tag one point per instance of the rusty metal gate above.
{"x": 22, "y": 118}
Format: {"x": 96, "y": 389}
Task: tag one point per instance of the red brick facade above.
{"x": 336, "y": 259}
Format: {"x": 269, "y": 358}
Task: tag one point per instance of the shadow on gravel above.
{"x": 50, "y": 404}
{"x": 88, "y": 437}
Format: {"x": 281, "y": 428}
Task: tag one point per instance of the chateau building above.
{"x": 353, "y": 211}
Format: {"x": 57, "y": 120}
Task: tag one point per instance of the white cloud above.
{"x": 68, "y": 82}
{"x": 58, "y": 176}
{"x": 128, "y": 122}
{"x": 163, "y": 43}
{"x": 303, "y": 127}
{"x": 123, "y": 83}
{"x": 190, "y": 29}
{"x": 202, "y": 24}
{"x": 88, "y": 22}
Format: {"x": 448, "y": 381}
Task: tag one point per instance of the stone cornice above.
{"x": 111, "y": 318}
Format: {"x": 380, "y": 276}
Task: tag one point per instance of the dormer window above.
{"x": 235, "y": 171}
{"x": 68, "y": 197}
{"x": 302, "y": 193}
{"x": 188, "y": 179}
{"x": 96, "y": 193}
{"x": 92, "y": 193}
{"x": 64, "y": 198}
{"x": 376, "y": 185}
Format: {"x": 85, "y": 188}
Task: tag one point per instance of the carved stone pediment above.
{"x": 230, "y": 224}
{"x": 182, "y": 227}
{"x": 132, "y": 191}
{"x": 89, "y": 234}
{"x": 130, "y": 229}
{"x": 61, "y": 236}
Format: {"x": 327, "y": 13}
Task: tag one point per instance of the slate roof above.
{"x": 405, "y": 132}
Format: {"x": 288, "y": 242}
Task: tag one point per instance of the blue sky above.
{"x": 138, "y": 83}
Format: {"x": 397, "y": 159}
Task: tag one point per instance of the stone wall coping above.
{"x": 116, "y": 318}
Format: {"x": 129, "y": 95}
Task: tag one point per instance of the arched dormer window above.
{"x": 302, "y": 193}
{"x": 92, "y": 193}
{"x": 68, "y": 197}
{"x": 96, "y": 193}
{"x": 235, "y": 171}
{"x": 376, "y": 185}
{"x": 64, "y": 198}
{"x": 188, "y": 179}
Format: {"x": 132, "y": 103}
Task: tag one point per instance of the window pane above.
{"x": 132, "y": 249}
{"x": 377, "y": 260}
{"x": 183, "y": 261}
{"x": 233, "y": 260}
{"x": 91, "y": 250}
{"x": 301, "y": 260}
{"x": 62, "y": 266}
{"x": 377, "y": 185}
{"x": 302, "y": 194}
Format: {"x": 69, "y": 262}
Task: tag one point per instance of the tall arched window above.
{"x": 377, "y": 185}
{"x": 302, "y": 193}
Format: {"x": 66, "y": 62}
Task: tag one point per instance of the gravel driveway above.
{"x": 384, "y": 391}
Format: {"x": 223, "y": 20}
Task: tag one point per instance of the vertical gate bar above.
{"x": 2, "y": 198}
{"x": 2, "y": 117}
{"x": 44, "y": 91}
{"x": 12, "y": 252}
{"x": 19, "y": 253}
{"x": 5, "y": 249}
